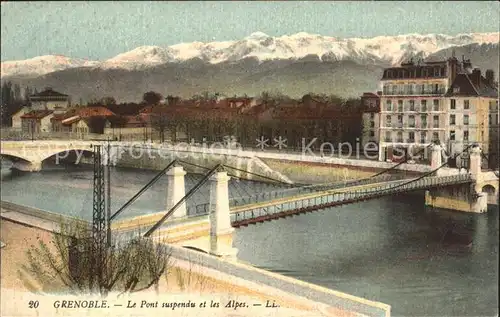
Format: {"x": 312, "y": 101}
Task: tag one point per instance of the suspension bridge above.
{"x": 235, "y": 201}
{"x": 220, "y": 197}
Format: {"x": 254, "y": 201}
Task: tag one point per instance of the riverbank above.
{"x": 185, "y": 281}
{"x": 191, "y": 274}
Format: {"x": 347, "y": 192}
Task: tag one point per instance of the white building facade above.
{"x": 441, "y": 102}
{"x": 49, "y": 99}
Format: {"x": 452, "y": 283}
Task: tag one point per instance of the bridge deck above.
{"x": 289, "y": 206}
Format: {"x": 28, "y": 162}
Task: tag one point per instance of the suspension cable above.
{"x": 142, "y": 190}
{"x": 400, "y": 163}
{"x": 180, "y": 202}
{"x": 262, "y": 176}
{"x": 426, "y": 174}
{"x": 240, "y": 170}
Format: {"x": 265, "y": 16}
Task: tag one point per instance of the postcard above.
{"x": 249, "y": 158}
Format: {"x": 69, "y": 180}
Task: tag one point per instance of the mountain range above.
{"x": 293, "y": 65}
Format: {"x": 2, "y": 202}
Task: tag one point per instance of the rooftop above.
{"x": 36, "y": 114}
{"x": 416, "y": 70}
{"x": 96, "y": 111}
{"x": 474, "y": 85}
{"x": 48, "y": 93}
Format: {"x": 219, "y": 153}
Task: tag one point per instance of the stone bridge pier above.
{"x": 472, "y": 197}
{"x": 25, "y": 166}
{"x": 220, "y": 230}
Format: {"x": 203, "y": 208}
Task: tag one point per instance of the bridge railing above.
{"x": 198, "y": 210}
{"x": 283, "y": 193}
{"x": 332, "y": 199}
{"x": 18, "y": 135}
{"x": 203, "y": 209}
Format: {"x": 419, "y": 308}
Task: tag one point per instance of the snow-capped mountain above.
{"x": 381, "y": 49}
{"x": 43, "y": 65}
{"x": 143, "y": 55}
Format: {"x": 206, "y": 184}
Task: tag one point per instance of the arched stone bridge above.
{"x": 28, "y": 156}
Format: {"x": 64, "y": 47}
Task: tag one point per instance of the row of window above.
{"x": 411, "y": 105}
{"x": 422, "y": 106}
{"x": 423, "y": 121}
{"x": 413, "y": 89}
{"x": 411, "y": 121}
{"x": 453, "y": 119}
{"x": 453, "y": 104}
{"x": 423, "y": 137}
{"x": 437, "y": 71}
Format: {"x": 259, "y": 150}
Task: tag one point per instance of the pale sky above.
{"x": 101, "y": 30}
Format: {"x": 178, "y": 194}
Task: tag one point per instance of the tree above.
{"x": 172, "y": 100}
{"x": 11, "y": 101}
{"x": 152, "y": 98}
{"x": 159, "y": 120}
{"x": 96, "y": 124}
{"x": 71, "y": 263}
{"x": 27, "y": 94}
{"x": 93, "y": 102}
{"x": 17, "y": 93}
{"x": 118, "y": 122}
{"x": 108, "y": 101}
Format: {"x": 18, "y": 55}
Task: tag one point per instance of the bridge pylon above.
{"x": 460, "y": 197}
{"x": 176, "y": 190}
{"x": 221, "y": 230}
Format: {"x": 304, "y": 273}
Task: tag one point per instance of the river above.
{"x": 421, "y": 261}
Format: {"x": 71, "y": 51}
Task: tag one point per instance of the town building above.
{"x": 16, "y": 117}
{"x": 129, "y": 128}
{"x": 45, "y": 107}
{"x": 36, "y": 121}
{"x": 444, "y": 101}
{"x": 49, "y": 99}
{"x": 370, "y": 119}
{"x": 87, "y": 120}
{"x": 473, "y": 113}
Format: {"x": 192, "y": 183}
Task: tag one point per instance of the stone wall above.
{"x": 314, "y": 172}
{"x": 158, "y": 158}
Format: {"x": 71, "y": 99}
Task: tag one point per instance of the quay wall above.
{"x": 241, "y": 274}
{"x": 283, "y": 166}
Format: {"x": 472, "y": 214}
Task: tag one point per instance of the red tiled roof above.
{"x": 36, "y": 114}
{"x": 255, "y": 110}
{"x": 61, "y": 116}
{"x": 97, "y": 111}
{"x": 71, "y": 120}
{"x": 58, "y": 117}
{"x": 134, "y": 120}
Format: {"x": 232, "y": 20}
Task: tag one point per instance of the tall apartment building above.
{"x": 445, "y": 101}
{"x": 370, "y": 118}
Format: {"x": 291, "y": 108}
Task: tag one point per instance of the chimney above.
{"x": 452, "y": 68}
{"x": 490, "y": 77}
{"x": 475, "y": 77}
{"x": 467, "y": 66}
